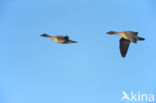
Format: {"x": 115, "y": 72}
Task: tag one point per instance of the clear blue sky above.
{"x": 37, "y": 70}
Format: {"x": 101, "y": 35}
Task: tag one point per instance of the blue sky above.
{"x": 37, "y": 70}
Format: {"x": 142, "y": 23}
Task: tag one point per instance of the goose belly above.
{"x": 59, "y": 40}
{"x": 123, "y": 35}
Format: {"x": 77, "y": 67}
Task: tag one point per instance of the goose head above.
{"x": 111, "y": 32}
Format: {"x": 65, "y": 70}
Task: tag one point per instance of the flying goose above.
{"x": 59, "y": 39}
{"x": 127, "y": 37}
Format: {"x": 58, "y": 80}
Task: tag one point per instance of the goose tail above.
{"x": 70, "y": 41}
{"x": 140, "y": 38}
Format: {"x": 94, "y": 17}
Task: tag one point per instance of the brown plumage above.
{"x": 127, "y": 37}
{"x": 59, "y": 39}
{"x": 124, "y": 45}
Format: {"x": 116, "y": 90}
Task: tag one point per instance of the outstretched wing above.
{"x": 136, "y": 33}
{"x": 66, "y": 37}
{"x": 124, "y": 44}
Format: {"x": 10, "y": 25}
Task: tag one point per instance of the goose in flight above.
{"x": 59, "y": 39}
{"x": 127, "y": 37}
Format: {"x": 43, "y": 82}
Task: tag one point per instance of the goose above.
{"x": 59, "y": 39}
{"x": 127, "y": 38}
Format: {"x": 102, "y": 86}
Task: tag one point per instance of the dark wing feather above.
{"x": 63, "y": 37}
{"x": 66, "y": 37}
{"x": 136, "y": 33}
{"x": 124, "y": 44}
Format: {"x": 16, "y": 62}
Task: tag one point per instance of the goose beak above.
{"x": 110, "y": 32}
